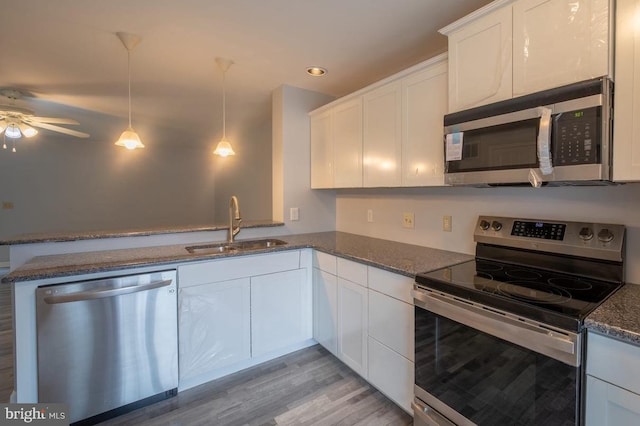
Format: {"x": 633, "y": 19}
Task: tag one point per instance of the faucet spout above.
{"x": 234, "y": 215}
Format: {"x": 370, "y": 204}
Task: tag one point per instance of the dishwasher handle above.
{"x": 101, "y": 294}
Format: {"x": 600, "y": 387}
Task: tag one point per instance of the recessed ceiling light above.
{"x": 316, "y": 71}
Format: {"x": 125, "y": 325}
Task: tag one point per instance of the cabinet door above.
{"x": 391, "y": 323}
{"x": 347, "y": 144}
{"x": 280, "y": 311}
{"x": 214, "y": 326}
{"x": 626, "y": 126}
{"x": 352, "y": 325}
{"x": 321, "y": 150}
{"x": 609, "y": 405}
{"x": 480, "y": 61}
{"x": 424, "y": 104}
{"x": 325, "y": 310}
{"x": 391, "y": 373}
{"x": 382, "y": 136}
{"x": 558, "y": 42}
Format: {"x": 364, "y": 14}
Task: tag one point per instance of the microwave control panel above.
{"x": 576, "y": 137}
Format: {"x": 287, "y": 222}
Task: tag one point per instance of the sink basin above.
{"x": 241, "y": 245}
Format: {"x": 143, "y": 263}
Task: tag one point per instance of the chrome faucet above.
{"x": 234, "y": 214}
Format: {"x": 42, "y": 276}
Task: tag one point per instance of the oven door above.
{"x": 474, "y": 365}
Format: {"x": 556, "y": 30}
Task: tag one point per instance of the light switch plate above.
{"x": 446, "y": 223}
{"x": 408, "y": 220}
{"x": 294, "y": 214}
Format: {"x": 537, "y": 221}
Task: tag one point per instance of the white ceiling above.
{"x": 64, "y": 54}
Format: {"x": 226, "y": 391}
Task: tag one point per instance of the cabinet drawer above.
{"x": 614, "y": 361}
{"x": 237, "y": 267}
{"x": 391, "y": 284}
{"x": 352, "y": 271}
{"x": 325, "y": 262}
{"x": 391, "y": 373}
{"x": 391, "y": 323}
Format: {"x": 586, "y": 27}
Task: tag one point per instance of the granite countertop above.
{"x": 618, "y": 316}
{"x": 401, "y": 258}
{"x": 56, "y": 237}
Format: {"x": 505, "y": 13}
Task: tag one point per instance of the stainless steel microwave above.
{"x": 558, "y": 136}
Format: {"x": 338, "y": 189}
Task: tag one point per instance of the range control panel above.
{"x": 593, "y": 240}
{"x": 544, "y": 230}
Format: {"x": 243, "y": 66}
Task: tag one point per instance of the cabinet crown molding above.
{"x": 497, "y": 4}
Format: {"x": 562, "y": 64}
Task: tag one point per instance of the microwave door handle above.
{"x": 544, "y": 141}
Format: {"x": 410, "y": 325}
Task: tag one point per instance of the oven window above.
{"x": 506, "y": 146}
{"x": 490, "y": 381}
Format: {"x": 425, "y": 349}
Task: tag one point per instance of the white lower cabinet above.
{"x": 325, "y": 309}
{"x": 280, "y": 304}
{"x": 214, "y": 326}
{"x": 391, "y": 322}
{"x": 391, "y": 373}
{"x": 352, "y": 325}
{"x": 613, "y": 382}
{"x": 239, "y": 311}
{"x": 609, "y": 405}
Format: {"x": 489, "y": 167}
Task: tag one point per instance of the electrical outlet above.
{"x": 446, "y": 223}
{"x": 369, "y": 215}
{"x": 294, "y": 214}
{"x": 408, "y": 219}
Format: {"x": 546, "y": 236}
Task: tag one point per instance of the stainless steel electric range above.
{"x": 499, "y": 339}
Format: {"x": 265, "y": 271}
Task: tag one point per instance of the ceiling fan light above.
{"x": 129, "y": 139}
{"x": 27, "y": 130}
{"x": 3, "y": 125}
{"x": 224, "y": 149}
{"x": 12, "y": 131}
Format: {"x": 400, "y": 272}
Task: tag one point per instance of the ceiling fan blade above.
{"x": 54, "y": 120}
{"x": 59, "y": 129}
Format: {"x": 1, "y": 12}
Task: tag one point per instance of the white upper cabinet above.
{"x": 347, "y": 144}
{"x": 382, "y": 136}
{"x": 626, "y": 126}
{"x": 480, "y": 61}
{"x": 424, "y": 103}
{"x": 321, "y": 151}
{"x": 513, "y": 48}
{"x": 558, "y": 42}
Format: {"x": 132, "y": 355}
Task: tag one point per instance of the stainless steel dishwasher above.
{"x": 107, "y": 346}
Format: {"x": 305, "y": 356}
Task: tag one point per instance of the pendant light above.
{"x": 224, "y": 148}
{"x": 129, "y": 138}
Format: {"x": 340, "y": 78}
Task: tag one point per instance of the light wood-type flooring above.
{"x": 6, "y": 343}
{"x": 307, "y": 387}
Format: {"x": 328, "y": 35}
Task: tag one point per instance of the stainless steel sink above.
{"x": 236, "y": 246}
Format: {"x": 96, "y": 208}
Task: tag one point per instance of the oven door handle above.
{"x": 426, "y": 416}
{"x": 529, "y": 334}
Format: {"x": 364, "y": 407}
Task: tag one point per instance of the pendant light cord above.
{"x": 129, "y": 73}
{"x": 224, "y": 106}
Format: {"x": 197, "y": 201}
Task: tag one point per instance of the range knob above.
{"x": 605, "y": 235}
{"x": 585, "y": 233}
{"x": 484, "y": 224}
{"x": 496, "y": 226}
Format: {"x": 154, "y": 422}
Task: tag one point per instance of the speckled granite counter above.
{"x": 396, "y": 257}
{"x": 57, "y": 237}
{"x": 619, "y": 316}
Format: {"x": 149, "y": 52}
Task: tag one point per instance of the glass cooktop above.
{"x": 550, "y": 297}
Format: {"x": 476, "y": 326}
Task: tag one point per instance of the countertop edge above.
{"x": 88, "y": 235}
{"x": 146, "y": 257}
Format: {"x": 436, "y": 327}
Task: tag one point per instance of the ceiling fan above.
{"x": 17, "y": 122}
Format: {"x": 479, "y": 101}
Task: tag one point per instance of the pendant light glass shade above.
{"x": 12, "y": 131}
{"x": 27, "y": 131}
{"x": 129, "y": 138}
{"x": 224, "y": 148}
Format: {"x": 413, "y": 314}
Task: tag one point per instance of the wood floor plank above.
{"x": 307, "y": 388}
